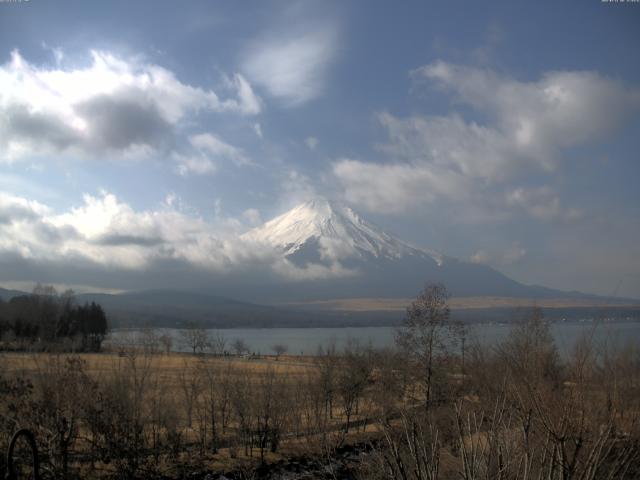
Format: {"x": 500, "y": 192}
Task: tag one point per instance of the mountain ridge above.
{"x": 181, "y": 308}
{"x": 329, "y": 234}
{"x": 333, "y": 222}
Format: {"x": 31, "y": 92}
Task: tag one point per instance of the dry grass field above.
{"x": 400, "y": 304}
{"x": 169, "y": 366}
{"x": 512, "y": 411}
{"x": 216, "y": 413}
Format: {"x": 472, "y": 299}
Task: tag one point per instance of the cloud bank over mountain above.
{"x": 317, "y": 250}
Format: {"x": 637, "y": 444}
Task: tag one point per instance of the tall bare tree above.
{"x": 195, "y": 338}
{"x": 428, "y": 333}
{"x": 240, "y": 346}
{"x": 279, "y": 349}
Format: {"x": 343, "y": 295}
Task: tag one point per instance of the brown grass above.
{"x": 169, "y": 366}
{"x": 168, "y": 369}
{"x": 400, "y": 304}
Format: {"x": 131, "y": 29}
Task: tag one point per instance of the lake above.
{"x": 306, "y": 341}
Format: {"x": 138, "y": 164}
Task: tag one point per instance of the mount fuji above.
{"x": 330, "y": 231}
{"x": 354, "y": 258}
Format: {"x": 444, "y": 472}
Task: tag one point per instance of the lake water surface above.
{"x": 306, "y": 341}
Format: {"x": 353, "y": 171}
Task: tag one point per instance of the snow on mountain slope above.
{"x": 336, "y": 231}
{"x": 341, "y": 255}
{"x": 324, "y": 251}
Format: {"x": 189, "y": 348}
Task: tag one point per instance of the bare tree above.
{"x": 242, "y": 398}
{"x": 352, "y": 380}
{"x": 211, "y": 399}
{"x": 190, "y": 385}
{"x": 240, "y": 346}
{"x": 166, "y": 341}
{"x": 217, "y": 342}
{"x": 118, "y": 416}
{"x": 56, "y": 411}
{"x": 148, "y": 339}
{"x": 427, "y": 333}
{"x": 327, "y": 360}
{"x": 279, "y": 349}
{"x": 195, "y": 338}
{"x": 269, "y": 410}
{"x": 530, "y": 351}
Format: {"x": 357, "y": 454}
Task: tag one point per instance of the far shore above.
{"x": 364, "y": 304}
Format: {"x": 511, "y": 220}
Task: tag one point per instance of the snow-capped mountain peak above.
{"x": 335, "y": 229}
{"x": 348, "y": 257}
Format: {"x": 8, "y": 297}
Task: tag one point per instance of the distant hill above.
{"x": 176, "y": 309}
{"x": 7, "y": 294}
{"x": 173, "y": 308}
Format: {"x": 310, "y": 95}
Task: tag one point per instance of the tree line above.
{"x": 46, "y": 319}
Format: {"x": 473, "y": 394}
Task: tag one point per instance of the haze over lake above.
{"x": 307, "y": 340}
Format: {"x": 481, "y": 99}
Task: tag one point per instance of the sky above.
{"x": 139, "y": 139}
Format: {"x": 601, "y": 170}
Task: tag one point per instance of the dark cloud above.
{"x": 13, "y": 213}
{"x": 114, "y": 122}
{"x": 40, "y": 129}
{"x": 111, "y": 106}
{"x": 124, "y": 119}
{"x": 116, "y": 239}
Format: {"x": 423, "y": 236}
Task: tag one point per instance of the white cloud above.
{"x": 511, "y": 255}
{"x": 313, "y": 271}
{"x": 57, "y": 52}
{"x": 563, "y": 108}
{"x": 481, "y": 256}
{"x": 527, "y": 128}
{"x": 450, "y": 144}
{"x": 293, "y": 67}
{"x": 258, "y": 129}
{"x": 106, "y": 233}
{"x": 207, "y": 149}
{"x": 311, "y": 142}
{"x": 394, "y": 188}
{"x": 14, "y": 208}
{"x": 212, "y": 145}
{"x": 197, "y": 164}
{"x": 295, "y": 188}
{"x": 248, "y": 102}
{"x": 541, "y": 203}
{"x": 113, "y": 105}
{"x": 171, "y": 199}
{"x": 252, "y": 215}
